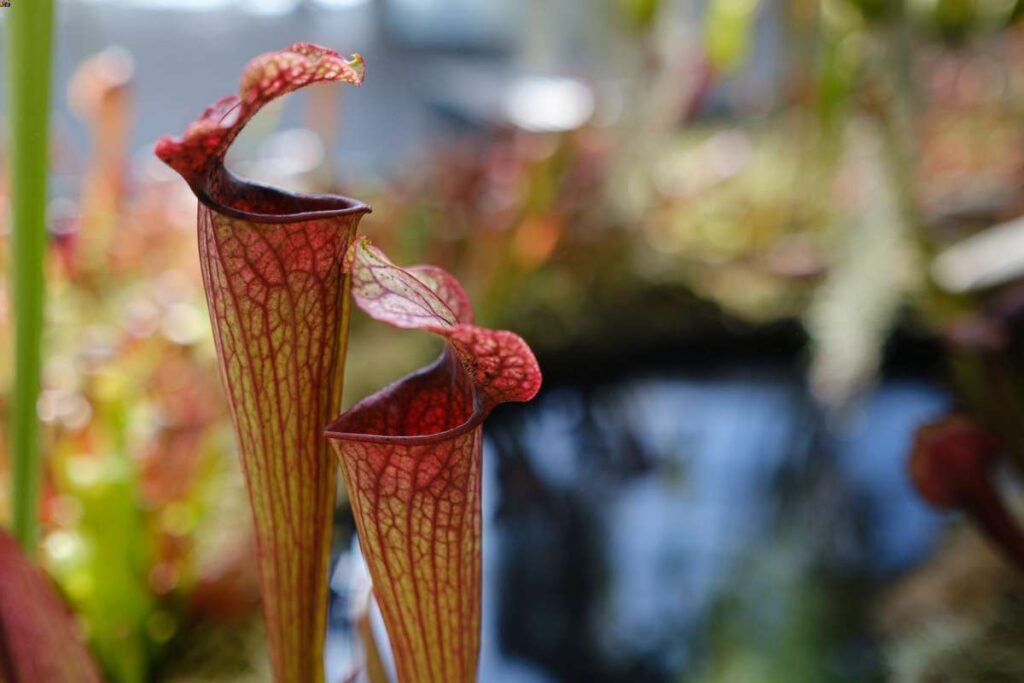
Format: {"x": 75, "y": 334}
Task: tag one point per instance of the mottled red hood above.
{"x": 198, "y": 155}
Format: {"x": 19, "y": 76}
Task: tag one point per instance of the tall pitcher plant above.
{"x": 278, "y": 271}
{"x": 272, "y": 271}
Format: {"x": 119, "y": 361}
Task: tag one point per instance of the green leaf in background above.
{"x": 102, "y": 563}
{"x": 640, "y": 13}
{"x": 29, "y": 35}
{"x": 728, "y": 32}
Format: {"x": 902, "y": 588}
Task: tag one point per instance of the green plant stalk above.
{"x": 29, "y": 40}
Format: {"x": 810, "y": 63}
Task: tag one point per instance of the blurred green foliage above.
{"x": 728, "y": 25}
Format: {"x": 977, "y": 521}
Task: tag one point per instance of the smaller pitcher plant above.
{"x": 411, "y": 454}
{"x": 277, "y": 269}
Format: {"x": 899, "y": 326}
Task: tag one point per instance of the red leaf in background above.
{"x": 272, "y": 270}
{"x": 38, "y": 639}
{"x": 952, "y": 467}
{"x": 412, "y": 460}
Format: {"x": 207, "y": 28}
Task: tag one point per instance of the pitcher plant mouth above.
{"x": 345, "y": 427}
{"x": 272, "y": 204}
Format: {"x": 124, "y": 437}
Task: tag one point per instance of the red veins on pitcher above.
{"x": 411, "y": 455}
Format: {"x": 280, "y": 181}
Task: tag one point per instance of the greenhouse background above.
{"x": 769, "y": 257}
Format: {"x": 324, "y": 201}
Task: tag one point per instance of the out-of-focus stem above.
{"x": 375, "y": 671}
{"x": 29, "y": 37}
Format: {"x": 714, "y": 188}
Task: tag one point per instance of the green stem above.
{"x": 29, "y": 36}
